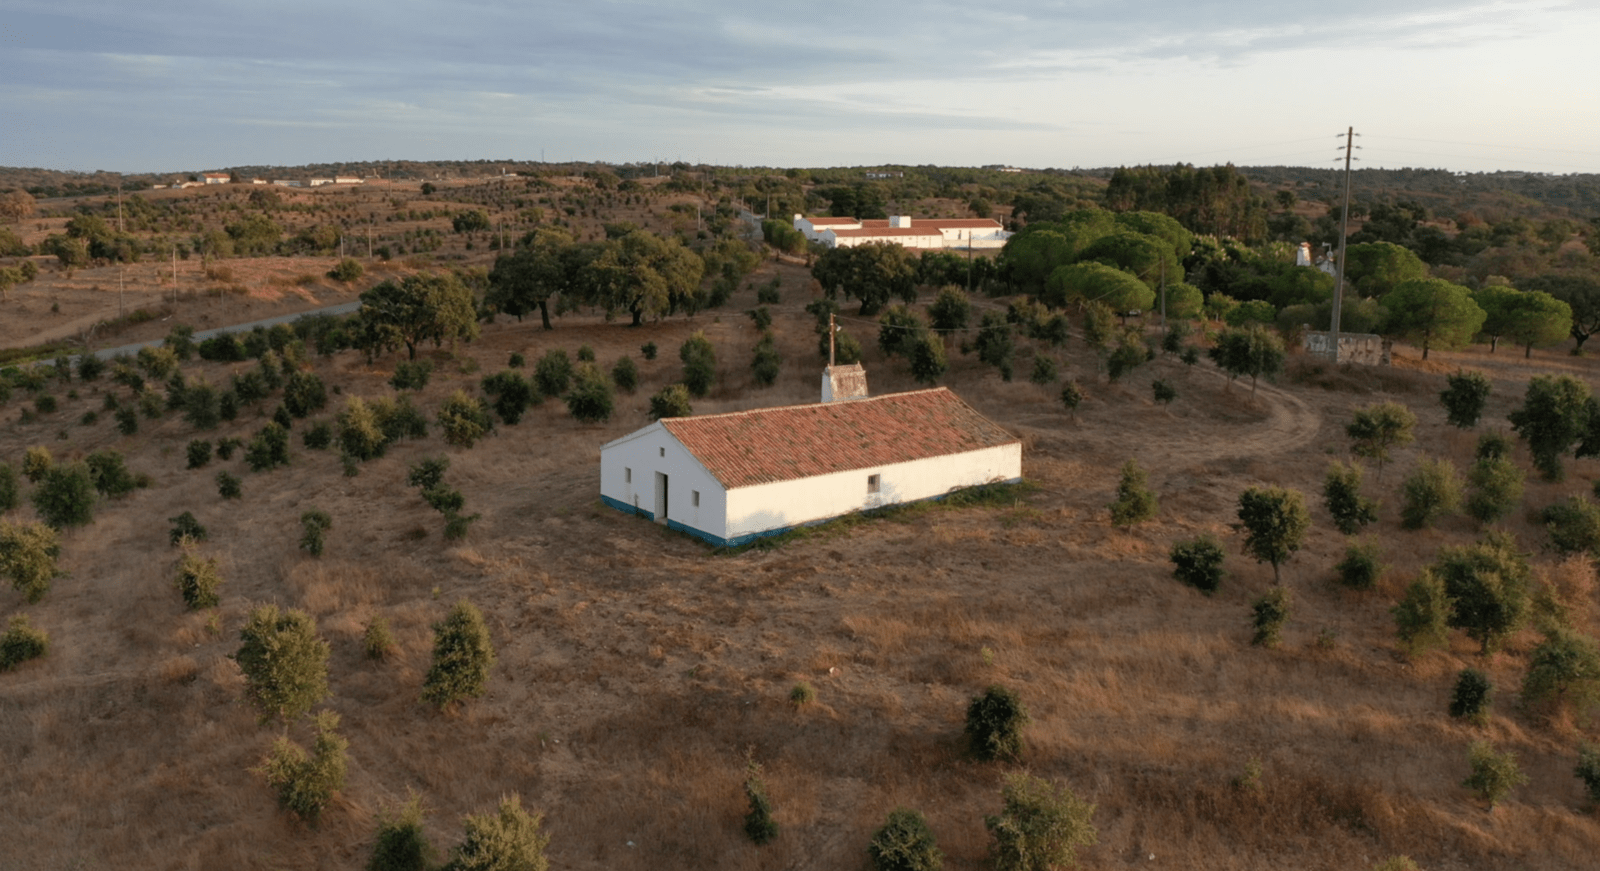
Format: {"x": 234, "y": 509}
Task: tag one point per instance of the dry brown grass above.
{"x": 637, "y": 669}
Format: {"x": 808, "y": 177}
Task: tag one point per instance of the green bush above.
{"x": 512, "y": 395}
{"x": 1135, "y": 502}
{"x": 802, "y": 694}
{"x": 400, "y": 843}
{"x": 994, "y": 725}
{"x": 1039, "y": 826}
{"x": 444, "y": 499}
{"x": 761, "y": 316}
{"x": 185, "y": 526}
{"x": 759, "y": 826}
{"x": 44, "y": 403}
{"x": 127, "y": 420}
{"x": 1431, "y": 491}
{"x": 553, "y": 373}
{"x": 648, "y": 350}
{"x": 90, "y": 367}
{"x": 314, "y": 524}
{"x": 699, "y": 364}
{"x": 1198, "y": 563}
{"x": 508, "y": 840}
{"x": 625, "y": 374}
{"x": 304, "y": 393}
{"x": 1360, "y": 568}
{"x": 590, "y": 399}
{"x": 10, "y": 493}
{"x": 198, "y": 580}
{"x": 285, "y": 664}
{"x": 1421, "y": 618}
{"x": 1574, "y": 525}
{"x": 1071, "y": 396}
{"x": 65, "y": 497}
{"x": 1554, "y": 415}
{"x": 319, "y": 436}
{"x": 110, "y": 475}
{"x": 1163, "y": 392}
{"x": 410, "y": 375}
{"x": 516, "y": 361}
{"x": 1469, "y": 700}
{"x": 1494, "y": 489}
{"x": 21, "y": 642}
{"x": 462, "y": 657}
{"x": 1464, "y": 398}
{"x": 228, "y": 486}
{"x": 1341, "y": 495}
{"x": 360, "y": 430}
{"x": 1588, "y": 771}
{"x": 1376, "y": 429}
{"x": 36, "y": 463}
{"x": 585, "y": 354}
{"x": 347, "y": 270}
{"x": 378, "y": 639}
{"x": 306, "y": 782}
{"x": 1044, "y": 371}
{"x": 226, "y": 447}
{"x": 464, "y": 419}
{"x": 28, "y": 554}
{"x": 428, "y": 472}
{"x": 1563, "y": 671}
{"x": 767, "y": 362}
{"x": 268, "y": 449}
{"x": 904, "y": 843}
{"x": 1488, "y": 585}
{"x": 1494, "y": 775}
{"x": 671, "y": 401}
{"x": 1275, "y": 522}
{"x": 1493, "y": 446}
{"x": 1268, "y": 616}
{"x": 199, "y": 453}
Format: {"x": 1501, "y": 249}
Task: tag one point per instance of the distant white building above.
{"x": 215, "y": 177}
{"x": 1325, "y": 263}
{"x": 346, "y": 179}
{"x": 319, "y": 182}
{"x": 920, "y": 233}
{"x": 288, "y": 183}
{"x": 732, "y": 478}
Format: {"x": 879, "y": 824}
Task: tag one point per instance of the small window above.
{"x": 873, "y": 483}
{"x": 663, "y": 451}
{"x": 694, "y": 498}
{"x": 627, "y": 475}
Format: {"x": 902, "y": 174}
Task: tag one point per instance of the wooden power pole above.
{"x": 1344, "y": 232}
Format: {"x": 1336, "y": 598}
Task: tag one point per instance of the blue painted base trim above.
{"x": 625, "y": 508}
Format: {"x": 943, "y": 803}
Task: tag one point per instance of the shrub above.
{"x": 1163, "y": 392}
{"x": 1341, "y": 495}
{"x": 671, "y": 401}
{"x": 228, "y": 406}
{"x": 1554, "y": 415}
{"x": 202, "y": 404}
{"x": 285, "y": 664}
{"x": 1044, "y": 370}
{"x": 400, "y": 843}
{"x": 66, "y": 496}
{"x": 199, "y": 453}
{"x": 1469, "y": 700}
{"x": 127, "y": 421}
{"x": 306, "y": 782}
{"x": 1464, "y": 398}
{"x": 590, "y": 399}
{"x": 1487, "y": 584}
{"x": 36, "y": 463}
{"x": 304, "y": 393}
{"x": 1360, "y": 568}
{"x": 1275, "y": 522}
{"x": 10, "y": 493}
{"x": 313, "y": 525}
{"x": 1564, "y": 670}
{"x": 226, "y": 447}
{"x": 512, "y": 395}
{"x": 268, "y": 449}
{"x": 994, "y": 725}
{"x": 443, "y": 499}
{"x": 770, "y": 293}
{"x": 904, "y": 843}
{"x": 409, "y": 375}
{"x": 28, "y": 554}
{"x": 1494, "y": 489}
{"x": 150, "y": 405}
{"x": 767, "y": 362}
{"x": 197, "y": 580}
{"x": 347, "y": 270}
{"x": 44, "y": 403}
{"x": 1135, "y": 502}
{"x": 761, "y": 316}
{"x": 1574, "y": 525}
{"x": 1071, "y": 396}
{"x": 648, "y": 349}
{"x": 699, "y": 364}
{"x": 1588, "y": 771}
{"x": 109, "y": 473}
{"x": 378, "y": 639}
{"x": 1494, "y": 775}
{"x": 228, "y": 486}
{"x": 506, "y": 840}
{"x": 90, "y": 367}
{"x": 464, "y": 419}
{"x": 625, "y": 374}
{"x": 319, "y": 436}
{"x": 1198, "y": 563}
{"x": 360, "y": 431}
{"x": 1375, "y": 429}
{"x": 1430, "y": 491}
{"x": 462, "y": 657}
{"x": 157, "y": 363}
{"x": 1039, "y": 826}
{"x": 516, "y": 361}
{"x": 802, "y": 694}
{"x": 1493, "y": 446}
{"x": 428, "y": 472}
{"x": 759, "y": 826}
{"x": 21, "y": 642}
{"x": 185, "y": 526}
{"x": 552, "y": 373}
{"x": 456, "y": 525}
{"x": 1269, "y": 614}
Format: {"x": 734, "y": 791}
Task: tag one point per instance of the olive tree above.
{"x": 285, "y": 664}
{"x": 1556, "y": 412}
{"x": 1040, "y": 826}
{"x": 1464, "y": 397}
{"x": 506, "y": 840}
{"x": 462, "y": 657}
{"x": 28, "y": 554}
{"x": 1275, "y": 521}
{"x": 1375, "y": 429}
{"x": 1341, "y": 495}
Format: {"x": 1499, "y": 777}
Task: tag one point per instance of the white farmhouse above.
{"x": 903, "y": 230}
{"x": 732, "y": 478}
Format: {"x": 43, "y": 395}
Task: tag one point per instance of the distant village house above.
{"x": 921, "y": 233}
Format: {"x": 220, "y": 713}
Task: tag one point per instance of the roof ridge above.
{"x": 771, "y": 408}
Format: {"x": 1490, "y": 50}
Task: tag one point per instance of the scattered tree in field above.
{"x": 1375, "y": 429}
{"x": 304, "y": 393}
{"x": 590, "y": 400}
{"x": 285, "y": 664}
{"x": 400, "y": 843}
{"x": 766, "y": 362}
{"x": 307, "y": 782}
{"x": 1493, "y": 446}
{"x": 625, "y": 374}
{"x": 197, "y": 580}
{"x": 1555, "y": 414}
{"x": 10, "y": 494}
{"x": 1469, "y": 699}
{"x": 1268, "y": 615}
{"x": 1341, "y": 495}
{"x": 1494, "y": 775}
{"x": 1129, "y": 354}
{"x": 1275, "y": 522}
{"x": 644, "y": 275}
{"x": 950, "y": 311}
{"x": 110, "y": 474}
{"x": 1071, "y": 396}
{"x": 1464, "y": 398}
{"x": 873, "y": 274}
{"x": 418, "y": 308}
{"x": 1360, "y": 568}
{"x": 1432, "y": 312}
{"x": 1588, "y": 771}
{"x": 1487, "y": 584}
{"x": 507, "y": 840}
{"x": 1040, "y": 826}
{"x": 1198, "y": 563}
{"x": 1431, "y": 490}
{"x": 1494, "y": 489}
{"x": 462, "y": 657}
{"x": 994, "y": 725}
{"x": 1251, "y": 350}
{"x": 898, "y": 326}
{"x": 1563, "y": 672}
{"x": 464, "y": 419}
{"x": 21, "y": 642}
{"x": 36, "y": 462}
{"x": 410, "y": 375}
{"x": 28, "y": 554}
{"x": 928, "y": 362}
{"x": 228, "y": 486}
{"x": 994, "y": 343}
{"x": 268, "y": 449}
{"x": 759, "y": 826}
{"x": 1163, "y": 391}
{"x": 1574, "y": 525}
{"x": 1044, "y": 370}
{"x": 512, "y": 394}
{"x": 699, "y": 364}
{"x": 347, "y": 270}
{"x": 185, "y": 527}
{"x": 670, "y": 401}
{"x": 553, "y": 373}
{"x": 199, "y": 454}
{"x": 1135, "y": 502}
{"x": 314, "y": 524}
{"x": 1099, "y": 326}
{"x": 648, "y": 350}
{"x": 65, "y": 496}
{"x": 904, "y": 843}
{"x": 1422, "y": 618}
{"x": 427, "y": 472}
{"x": 377, "y": 640}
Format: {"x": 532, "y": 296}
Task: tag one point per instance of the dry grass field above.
{"x": 637, "y": 669}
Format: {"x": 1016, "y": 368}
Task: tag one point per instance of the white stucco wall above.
{"x": 792, "y": 503}
{"x": 653, "y": 450}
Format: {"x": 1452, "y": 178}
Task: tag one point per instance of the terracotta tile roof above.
{"x": 829, "y": 222}
{"x": 765, "y": 445}
{"x": 875, "y": 222}
{"x": 887, "y": 231}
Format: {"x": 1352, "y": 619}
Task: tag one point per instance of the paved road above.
{"x": 341, "y": 308}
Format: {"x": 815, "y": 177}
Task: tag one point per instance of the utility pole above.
{"x": 1344, "y": 226}
{"x": 174, "y": 275}
{"x": 831, "y": 330}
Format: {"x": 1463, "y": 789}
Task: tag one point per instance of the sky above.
{"x": 191, "y": 85}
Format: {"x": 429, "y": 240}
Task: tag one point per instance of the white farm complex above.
{"x": 731, "y": 478}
